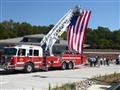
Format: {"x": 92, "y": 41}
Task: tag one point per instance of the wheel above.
{"x": 64, "y": 66}
{"x": 28, "y": 68}
{"x": 70, "y": 65}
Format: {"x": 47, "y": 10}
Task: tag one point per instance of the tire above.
{"x": 28, "y": 68}
{"x": 64, "y": 66}
{"x": 70, "y": 65}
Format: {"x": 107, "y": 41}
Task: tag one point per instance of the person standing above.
{"x": 94, "y": 61}
{"x": 101, "y": 61}
{"x": 107, "y": 60}
{"x": 104, "y": 60}
{"x": 119, "y": 59}
{"x": 90, "y": 59}
{"x": 98, "y": 61}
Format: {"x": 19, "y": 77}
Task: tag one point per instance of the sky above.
{"x": 105, "y": 13}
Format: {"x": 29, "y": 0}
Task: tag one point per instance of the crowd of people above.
{"x": 97, "y": 61}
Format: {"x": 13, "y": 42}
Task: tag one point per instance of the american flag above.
{"x": 76, "y": 31}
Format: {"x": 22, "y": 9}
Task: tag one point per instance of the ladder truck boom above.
{"x": 44, "y": 40}
{"x": 54, "y": 34}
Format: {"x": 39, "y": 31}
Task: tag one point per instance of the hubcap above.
{"x": 70, "y": 65}
{"x": 64, "y": 66}
{"x": 29, "y": 68}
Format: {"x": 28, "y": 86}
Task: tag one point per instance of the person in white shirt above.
{"x": 119, "y": 58}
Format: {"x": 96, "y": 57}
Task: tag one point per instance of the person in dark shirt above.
{"x": 107, "y": 61}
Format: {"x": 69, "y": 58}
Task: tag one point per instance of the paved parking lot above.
{"x": 40, "y": 80}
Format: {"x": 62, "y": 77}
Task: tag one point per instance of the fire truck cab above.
{"x": 20, "y": 57}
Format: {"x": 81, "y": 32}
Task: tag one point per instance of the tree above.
{"x": 102, "y": 37}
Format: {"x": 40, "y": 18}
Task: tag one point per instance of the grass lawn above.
{"x": 107, "y": 79}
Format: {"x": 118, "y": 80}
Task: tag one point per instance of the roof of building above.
{"x": 35, "y": 36}
{"x": 11, "y": 41}
{"x": 19, "y": 40}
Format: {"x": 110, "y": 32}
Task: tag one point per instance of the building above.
{"x": 59, "y": 46}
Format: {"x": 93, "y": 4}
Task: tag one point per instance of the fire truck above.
{"x": 31, "y": 57}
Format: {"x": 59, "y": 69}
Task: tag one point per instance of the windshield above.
{"x": 10, "y": 51}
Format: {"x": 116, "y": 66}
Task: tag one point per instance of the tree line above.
{"x": 100, "y": 38}
{"x": 103, "y": 38}
{"x": 10, "y": 29}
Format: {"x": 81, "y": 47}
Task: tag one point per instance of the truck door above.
{"x": 30, "y": 54}
{"x": 36, "y": 58}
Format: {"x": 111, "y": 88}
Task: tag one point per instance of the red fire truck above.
{"x": 30, "y": 57}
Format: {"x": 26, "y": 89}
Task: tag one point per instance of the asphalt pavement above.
{"x": 40, "y": 80}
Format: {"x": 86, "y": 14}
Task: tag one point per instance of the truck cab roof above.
{"x": 27, "y": 47}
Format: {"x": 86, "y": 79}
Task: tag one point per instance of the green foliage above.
{"x": 107, "y": 79}
{"x": 100, "y": 38}
{"x": 49, "y": 87}
{"x": 10, "y": 29}
{"x": 67, "y": 86}
{"x": 103, "y": 38}
{"x": 64, "y": 36}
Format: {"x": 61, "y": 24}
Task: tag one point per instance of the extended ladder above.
{"x": 57, "y": 31}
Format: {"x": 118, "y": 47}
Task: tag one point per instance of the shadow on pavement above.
{"x": 103, "y": 88}
{"x": 14, "y": 72}
{"x": 45, "y": 76}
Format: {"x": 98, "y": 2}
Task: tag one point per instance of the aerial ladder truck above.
{"x": 31, "y": 57}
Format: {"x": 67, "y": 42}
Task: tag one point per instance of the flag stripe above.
{"x": 81, "y": 30}
{"x": 76, "y": 31}
{"x": 70, "y": 37}
{"x": 84, "y": 31}
{"x": 82, "y": 34}
{"x": 86, "y": 28}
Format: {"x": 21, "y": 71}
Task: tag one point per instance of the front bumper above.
{"x": 7, "y": 67}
